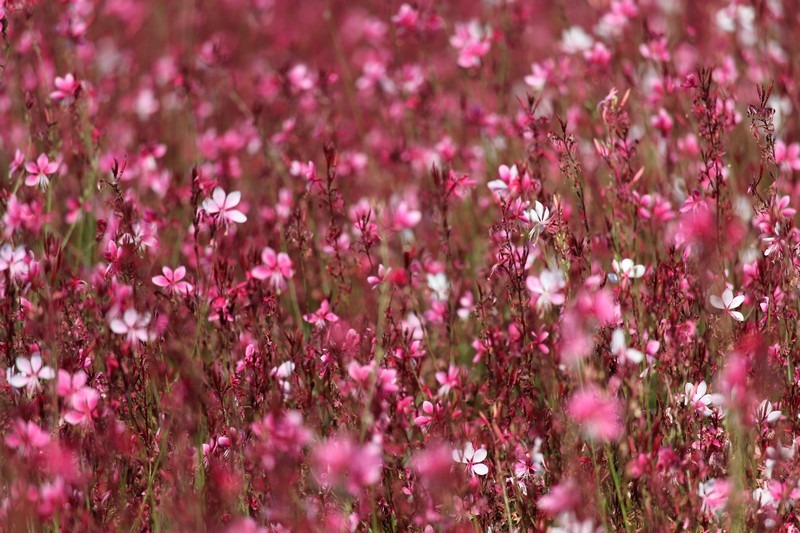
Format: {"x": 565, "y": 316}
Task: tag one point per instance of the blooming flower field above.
{"x": 365, "y": 265}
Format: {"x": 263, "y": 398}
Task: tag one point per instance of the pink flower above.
{"x": 562, "y": 498}
{"x": 788, "y": 154}
{"x": 322, "y": 315}
{"x": 405, "y": 217}
{"x": 448, "y": 380}
{"x": 473, "y": 459}
{"x": 84, "y": 407}
{"x": 383, "y": 272}
{"x": 39, "y": 170}
{"x": 406, "y": 17}
{"x": 67, "y": 385}
{"x": 714, "y": 494}
{"x": 472, "y": 44}
{"x": 598, "y": 416}
{"x": 172, "y": 280}
{"x": 276, "y": 267}
{"x": 66, "y": 87}
{"x": 26, "y": 435}
{"x": 30, "y": 372}
{"x": 223, "y": 205}
{"x": 546, "y": 288}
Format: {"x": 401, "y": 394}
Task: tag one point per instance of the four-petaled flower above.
{"x": 224, "y": 206}
{"x": 84, "y": 407}
{"x": 276, "y": 267}
{"x": 173, "y": 280}
{"x": 472, "y": 458}
{"x": 66, "y": 87}
{"x": 133, "y": 326}
{"x": 765, "y": 413}
{"x": 322, "y": 315}
{"x": 539, "y": 217}
{"x": 728, "y": 303}
{"x": 30, "y": 372}
{"x": 39, "y": 172}
{"x": 625, "y": 270}
{"x": 620, "y": 348}
{"x": 547, "y": 288}
{"x": 697, "y": 396}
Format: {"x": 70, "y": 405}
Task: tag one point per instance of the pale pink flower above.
{"x": 765, "y": 413}
{"x": 276, "y": 267}
{"x": 714, "y": 495}
{"x": 621, "y": 351}
{"x": 13, "y": 260}
{"x": 39, "y": 172}
{"x": 728, "y": 303}
{"x": 546, "y": 288}
{"x": 173, "y": 280}
{"x": 472, "y": 458}
{"x": 472, "y": 42}
{"x": 133, "y": 326}
{"x": 30, "y": 371}
{"x": 697, "y": 396}
{"x": 224, "y": 206}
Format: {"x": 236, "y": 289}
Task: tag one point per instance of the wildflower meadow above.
{"x": 375, "y": 266}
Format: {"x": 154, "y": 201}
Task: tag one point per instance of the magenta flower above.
{"x": 276, "y": 267}
{"x": 39, "y": 172}
{"x": 173, "y": 280}
{"x": 26, "y": 435}
{"x": 321, "y": 315}
{"x": 66, "y": 87}
{"x": 598, "y": 416}
{"x": 224, "y": 206}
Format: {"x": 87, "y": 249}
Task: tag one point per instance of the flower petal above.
{"x": 480, "y": 469}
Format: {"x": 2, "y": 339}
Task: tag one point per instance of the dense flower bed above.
{"x": 362, "y": 265}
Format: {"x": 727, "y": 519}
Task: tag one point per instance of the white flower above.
{"x": 697, "y": 396}
{"x": 539, "y": 217}
{"x": 547, "y": 287}
{"x": 728, "y": 303}
{"x": 439, "y": 285}
{"x": 472, "y": 458}
{"x": 224, "y": 204}
{"x": 133, "y": 326}
{"x": 620, "y": 348}
{"x": 764, "y": 413}
{"x": 283, "y": 372}
{"x": 30, "y": 372}
{"x": 13, "y": 260}
{"x": 625, "y": 270}
{"x": 575, "y": 39}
